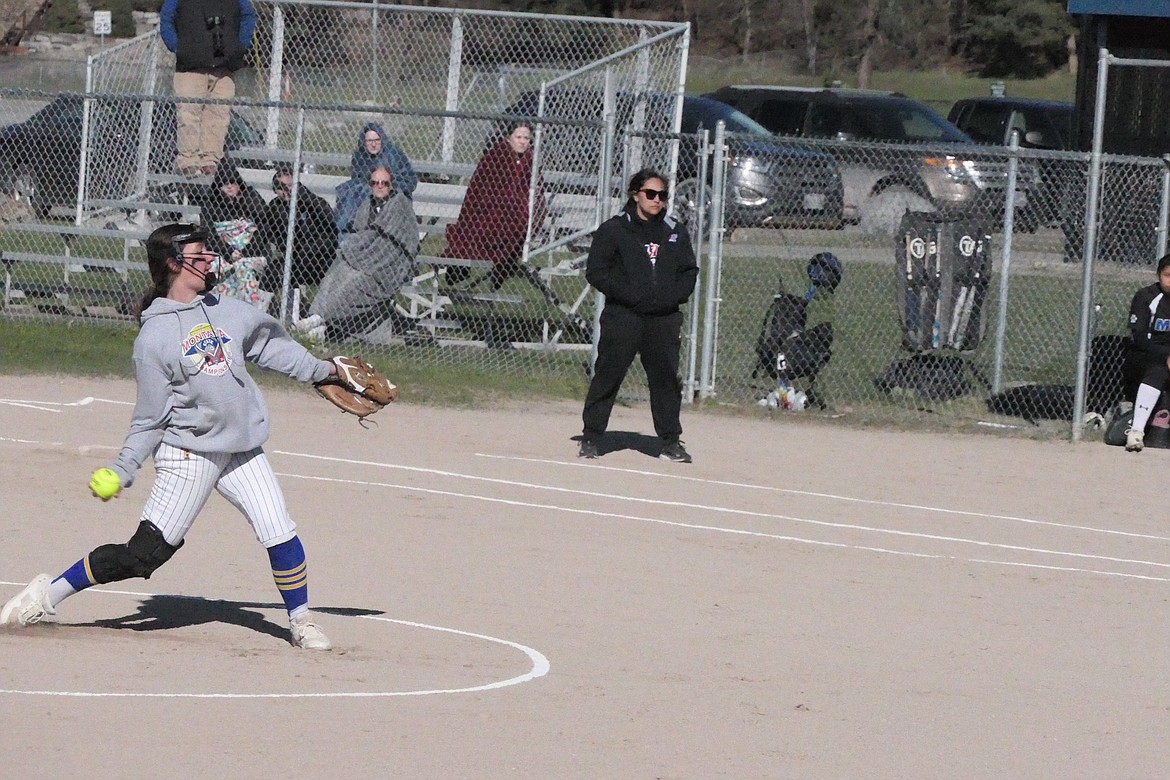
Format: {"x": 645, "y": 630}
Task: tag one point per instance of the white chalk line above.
{"x": 715, "y": 508}
{"x": 728, "y": 510}
{"x": 540, "y": 667}
{"x": 778, "y": 537}
{"x": 50, "y": 406}
{"x": 834, "y": 497}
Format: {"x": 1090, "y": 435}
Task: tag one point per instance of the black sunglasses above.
{"x": 376, "y": 182}
{"x": 655, "y": 194}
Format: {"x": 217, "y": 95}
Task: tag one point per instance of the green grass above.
{"x": 446, "y": 377}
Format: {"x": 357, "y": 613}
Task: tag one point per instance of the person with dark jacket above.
{"x": 210, "y": 39}
{"x": 642, "y": 261}
{"x": 1149, "y": 328}
{"x": 314, "y": 233}
{"x": 231, "y": 209}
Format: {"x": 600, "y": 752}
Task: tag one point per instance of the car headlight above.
{"x": 748, "y": 196}
{"x": 952, "y": 166}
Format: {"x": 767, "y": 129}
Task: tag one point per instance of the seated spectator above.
{"x": 493, "y": 221}
{"x": 372, "y": 264}
{"x": 373, "y": 150}
{"x": 231, "y": 211}
{"x": 314, "y": 233}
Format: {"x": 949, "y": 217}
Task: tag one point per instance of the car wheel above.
{"x": 26, "y": 191}
{"x": 881, "y": 214}
{"x": 689, "y": 197}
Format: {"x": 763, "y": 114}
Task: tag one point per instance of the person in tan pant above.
{"x": 210, "y": 39}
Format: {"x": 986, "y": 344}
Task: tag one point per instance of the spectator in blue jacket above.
{"x": 211, "y": 40}
{"x": 374, "y": 150}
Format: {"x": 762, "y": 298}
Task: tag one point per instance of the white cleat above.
{"x": 307, "y": 635}
{"x": 30, "y": 605}
{"x": 1134, "y": 440}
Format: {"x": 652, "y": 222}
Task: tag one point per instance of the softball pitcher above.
{"x": 204, "y": 420}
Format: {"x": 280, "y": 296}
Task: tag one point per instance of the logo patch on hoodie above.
{"x": 652, "y": 253}
{"x": 204, "y": 347}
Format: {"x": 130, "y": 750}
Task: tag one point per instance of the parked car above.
{"x": 768, "y": 181}
{"x": 40, "y": 157}
{"x": 911, "y": 156}
{"x": 1043, "y": 124}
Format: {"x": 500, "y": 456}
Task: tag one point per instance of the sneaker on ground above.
{"x": 1134, "y": 440}
{"x": 306, "y": 324}
{"x": 673, "y": 450}
{"x": 307, "y": 635}
{"x": 30, "y": 605}
{"x": 588, "y": 449}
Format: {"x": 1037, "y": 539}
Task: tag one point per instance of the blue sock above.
{"x": 291, "y": 574}
{"x": 78, "y": 575}
{"x": 75, "y": 578}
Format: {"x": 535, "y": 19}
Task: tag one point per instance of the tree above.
{"x": 1008, "y": 38}
{"x": 64, "y": 16}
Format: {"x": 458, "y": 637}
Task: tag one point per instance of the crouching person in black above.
{"x": 1149, "y": 327}
{"x": 642, "y": 261}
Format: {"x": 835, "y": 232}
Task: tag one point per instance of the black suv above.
{"x": 1043, "y": 124}
{"x": 768, "y": 181}
{"x": 882, "y": 179}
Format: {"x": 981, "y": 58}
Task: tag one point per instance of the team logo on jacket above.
{"x": 204, "y": 347}
{"x": 673, "y": 238}
{"x": 652, "y": 252}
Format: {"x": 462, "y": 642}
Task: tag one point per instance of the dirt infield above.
{"x": 802, "y": 601}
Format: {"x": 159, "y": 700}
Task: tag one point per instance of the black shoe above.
{"x": 673, "y": 450}
{"x": 588, "y": 449}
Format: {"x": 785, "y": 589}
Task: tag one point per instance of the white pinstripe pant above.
{"x": 184, "y": 481}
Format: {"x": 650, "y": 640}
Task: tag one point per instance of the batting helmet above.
{"x": 824, "y": 271}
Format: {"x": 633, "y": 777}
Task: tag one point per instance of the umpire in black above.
{"x": 642, "y": 261}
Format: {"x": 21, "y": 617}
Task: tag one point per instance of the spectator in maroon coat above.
{"x": 493, "y": 220}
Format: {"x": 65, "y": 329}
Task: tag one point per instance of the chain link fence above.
{"x": 518, "y": 134}
{"x": 961, "y": 286}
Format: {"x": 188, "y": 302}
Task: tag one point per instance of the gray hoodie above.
{"x": 194, "y": 391}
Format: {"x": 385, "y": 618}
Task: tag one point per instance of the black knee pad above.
{"x": 139, "y": 557}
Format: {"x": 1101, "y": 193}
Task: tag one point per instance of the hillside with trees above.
{"x": 847, "y": 39}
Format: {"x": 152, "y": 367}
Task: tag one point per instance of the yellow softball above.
{"x": 105, "y": 484}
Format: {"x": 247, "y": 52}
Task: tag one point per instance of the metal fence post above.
{"x": 1009, "y": 218}
{"x": 715, "y": 241}
{"x": 690, "y": 388}
{"x": 83, "y": 159}
{"x": 1091, "y": 211}
{"x": 291, "y": 224}
{"x": 1164, "y": 211}
{"x": 454, "y": 64}
{"x": 275, "y": 75}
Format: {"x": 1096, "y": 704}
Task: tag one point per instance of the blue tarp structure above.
{"x": 1159, "y": 9}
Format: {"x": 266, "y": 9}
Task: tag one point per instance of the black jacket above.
{"x": 620, "y": 266}
{"x": 1149, "y": 322}
{"x": 314, "y": 236}
{"x": 208, "y": 33}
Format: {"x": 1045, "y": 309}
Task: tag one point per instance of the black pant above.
{"x": 656, "y": 339}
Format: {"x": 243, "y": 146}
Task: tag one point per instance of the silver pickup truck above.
{"x": 894, "y": 152}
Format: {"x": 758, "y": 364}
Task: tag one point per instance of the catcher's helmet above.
{"x": 824, "y": 271}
